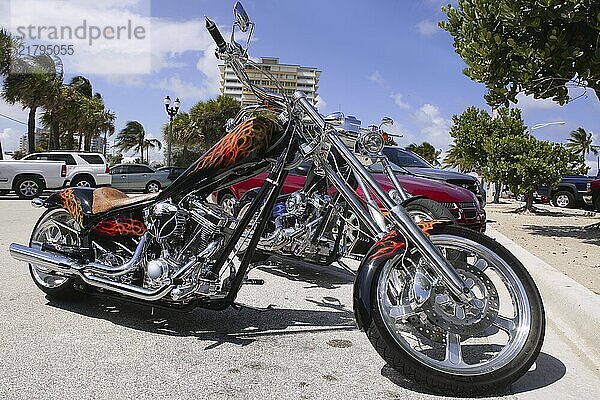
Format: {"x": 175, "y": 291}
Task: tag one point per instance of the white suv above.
{"x": 83, "y": 169}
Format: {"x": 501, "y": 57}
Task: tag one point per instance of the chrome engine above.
{"x": 294, "y": 222}
{"x": 192, "y": 232}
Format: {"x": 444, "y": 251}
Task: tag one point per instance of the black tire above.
{"x": 597, "y": 203}
{"x": 29, "y": 187}
{"x": 463, "y": 385}
{"x": 66, "y": 291}
{"x": 152, "y": 187}
{"x": 227, "y": 201}
{"x": 427, "y": 207}
{"x": 563, "y": 199}
{"x": 83, "y": 181}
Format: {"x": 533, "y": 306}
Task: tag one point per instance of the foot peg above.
{"x": 254, "y": 282}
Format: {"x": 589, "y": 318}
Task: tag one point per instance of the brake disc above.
{"x": 460, "y": 318}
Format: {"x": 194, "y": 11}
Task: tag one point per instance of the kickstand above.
{"x": 345, "y": 267}
{"x": 240, "y": 306}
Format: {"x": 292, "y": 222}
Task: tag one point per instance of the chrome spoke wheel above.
{"x": 448, "y": 335}
{"x": 57, "y": 228}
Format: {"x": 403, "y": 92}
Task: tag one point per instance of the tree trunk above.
{"x": 1, "y": 152}
{"x": 497, "y": 190}
{"x": 31, "y": 130}
{"x": 87, "y": 142}
{"x": 529, "y": 201}
{"x": 69, "y": 141}
{"x": 104, "y": 150}
{"x": 54, "y": 132}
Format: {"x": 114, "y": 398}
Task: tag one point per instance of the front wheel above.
{"x": 152, "y": 187}
{"x": 449, "y": 345}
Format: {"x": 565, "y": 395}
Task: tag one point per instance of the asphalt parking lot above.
{"x": 305, "y": 347}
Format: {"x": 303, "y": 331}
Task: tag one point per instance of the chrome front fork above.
{"x": 404, "y": 222}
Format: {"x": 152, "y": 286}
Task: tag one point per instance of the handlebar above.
{"x": 216, "y": 34}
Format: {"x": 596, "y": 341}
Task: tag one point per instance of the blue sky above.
{"x": 378, "y": 58}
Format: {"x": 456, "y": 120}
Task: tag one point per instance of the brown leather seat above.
{"x": 107, "y": 198}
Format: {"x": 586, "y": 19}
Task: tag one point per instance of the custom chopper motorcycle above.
{"x": 443, "y": 305}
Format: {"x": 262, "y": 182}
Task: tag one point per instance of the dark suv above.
{"x": 570, "y": 191}
{"x": 415, "y": 165}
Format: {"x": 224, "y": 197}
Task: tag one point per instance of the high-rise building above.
{"x": 290, "y": 77}
{"x": 40, "y": 133}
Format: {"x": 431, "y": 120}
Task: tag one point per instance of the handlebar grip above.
{"x": 216, "y": 34}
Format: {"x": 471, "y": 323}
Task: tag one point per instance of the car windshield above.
{"x": 377, "y": 168}
{"x": 405, "y": 158}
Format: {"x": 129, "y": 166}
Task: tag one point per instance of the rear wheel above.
{"x": 83, "y": 181}
{"x": 55, "y": 227}
{"x": 563, "y": 199}
{"x": 597, "y": 203}
{"x": 449, "y": 345}
{"x": 152, "y": 187}
{"x": 29, "y": 187}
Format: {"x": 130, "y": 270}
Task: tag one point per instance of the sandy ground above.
{"x": 555, "y": 236}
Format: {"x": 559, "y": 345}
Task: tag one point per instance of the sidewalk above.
{"x": 572, "y": 309}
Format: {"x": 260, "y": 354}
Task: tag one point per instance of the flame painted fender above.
{"x": 384, "y": 250}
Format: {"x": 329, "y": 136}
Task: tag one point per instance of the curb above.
{"x": 572, "y": 308}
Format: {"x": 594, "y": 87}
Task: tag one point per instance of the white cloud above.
{"x": 320, "y": 102}
{"x": 529, "y": 103}
{"x": 377, "y": 78}
{"x": 434, "y": 128}
{"x": 427, "y": 27}
{"x": 398, "y": 99}
{"x": 184, "y": 90}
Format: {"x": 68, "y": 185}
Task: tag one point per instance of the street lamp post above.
{"x": 171, "y": 112}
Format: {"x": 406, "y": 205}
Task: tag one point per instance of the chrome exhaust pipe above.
{"x": 44, "y": 259}
{"x": 71, "y": 267}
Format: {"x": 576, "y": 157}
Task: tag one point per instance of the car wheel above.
{"x": 83, "y": 181}
{"x": 563, "y": 199}
{"x": 29, "y": 188}
{"x": 228, "y": 203}
{"x": 597, "y": 204}
{"x": 152, "y": 187}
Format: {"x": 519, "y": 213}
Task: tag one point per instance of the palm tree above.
{"x": 7, "y": 45}
{"x": 455, "y": 159}
{"x": 151, "y": 144}
{"x": 427, "y": 151}
{"x": 28, "y": 83}
{"x": 581, "y": 142}
{"x": 133, "y": 137}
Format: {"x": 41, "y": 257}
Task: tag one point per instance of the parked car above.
{"x": 174, "y": 172}
{"x": 29, "y": 178}
{"x": 592, "y": 196}
{"x": 83, "y": 169}
{"x": 139, "y": 177}
{"x": 462, "y": 203}
{"x": 570, "y": 191}
{"x": 411, "y": 163}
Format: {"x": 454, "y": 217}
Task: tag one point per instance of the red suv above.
{"x": 461, "y": 202}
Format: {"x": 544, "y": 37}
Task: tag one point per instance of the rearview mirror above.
{"x": 241, "y": 18}
{"x": 386, "y": 121}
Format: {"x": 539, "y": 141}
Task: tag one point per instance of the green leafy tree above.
{"x": 426, "y": 151}
{"x": 582, "y": 142}
{"x": 208, "y": 118}
{"x": 539, "y": 47}
{"x": 18, "y": 154}
{"x": 188, "y": 142}
{"x": 475, "y": 135}
{"x": 133, "y": 137}
{"x": 115, "y": 159}
{"x": 528, "y": 163}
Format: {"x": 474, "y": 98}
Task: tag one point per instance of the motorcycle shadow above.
{"x": 546, "y": 371}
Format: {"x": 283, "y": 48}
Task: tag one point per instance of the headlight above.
{"x": 372, "y": 143}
